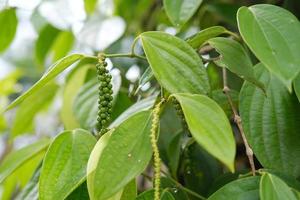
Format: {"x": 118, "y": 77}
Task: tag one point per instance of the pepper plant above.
{"x": 220, "y": 119}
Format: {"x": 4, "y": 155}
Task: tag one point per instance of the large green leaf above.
{"x": 201, "y": 37}
{"x": 241, "y": 189}
{"x": 180, "y": 11}
{"x": 273, "y": 34}
{"x": 271, "y": 123}
{"x": 273, "y": 188}
{"x": 25, "y": 114}
{"x": 125, "y": 155}
{"x": 209, "y": 126}
{"x": 8, "y": 24}
{"x": 53, "y": 71}
{"x": 65, "y": 163}
{"x": 235, "y": 58}
{"x": 17, "y": 158}
{"x": 174, "y": 63}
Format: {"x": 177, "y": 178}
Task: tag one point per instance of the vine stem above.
{"x": 156, "y": 158}
{"x": 238, "y": 121}
{"x": 128, "y": 55}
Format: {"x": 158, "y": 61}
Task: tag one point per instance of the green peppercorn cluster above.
{"x": 179, "y": 113}
{"x": 105, "y": 95}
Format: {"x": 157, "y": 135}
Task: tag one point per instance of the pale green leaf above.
{"x": 8, "y": 24}
{"x": 273, "y": 34}
{"x": 90, "y": 5}
{"x": 180, "y": 11}
{"x": 62, "y": 44}
{"x": 235, "y": 58}
{"x": 241, "y": 189}
{"x": 25, "y": 114}
{"x": 53, "y": 71}
{"x": 273, "y": 188}
{"x": 271, "y": 123}
{"x": 197, "y": 40}
{"x": 65, "y": 163}
{"x": 209, "y": 126}
{"x": 124, "y": 155}
{"x": 17, "y": 158}
{"x": 174, "y": 63}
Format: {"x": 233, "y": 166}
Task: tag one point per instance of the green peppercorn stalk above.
{"x": 104, "y": 95}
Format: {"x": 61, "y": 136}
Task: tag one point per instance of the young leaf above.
{"x": 245, "y": 188}
{"x": 180, "y": 11}
{"x": 174, "y": 63}
{"x": 271, "y": 123}
{"x": 26, "y": 112}
{"x": 209, "y": 126}
{"x": 8, "y": 24}
{"x": 53, "y": 71}
{"x": 273, "y": 34}
{"x": 272, "y": 187}
{"x": 125, "y": 155}
{"x": 201, "y": 37}
{"x": 64, "y": 166}
{"x": 16, "y": 159}
{"x": 235, "y": 58}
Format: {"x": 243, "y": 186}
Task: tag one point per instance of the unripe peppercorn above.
{"x": 105, "y": 98}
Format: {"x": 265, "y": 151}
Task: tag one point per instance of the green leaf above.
{"x": 273, "y": 34}
{"x": 90, "y": 6}
{"x": 53, "y": 71}
{"x": 62, "y": 45}
{"x": 17, "y": 158}
{"x": 44, "y": 42}
{"x": 272, "y": 187}
{"x": 174, "y": 63}
{"x": 271, "y": 123}
{"x": 209, "y": 126}
{"x": 144, "y": 104}
{"x": 180, "y": 11}
{"x": 8, "y": 24}
{"x": 30, "y": 191}
{"x": 244, "y": 188}
{"x": 219, "y": 97}
{"x": 125, "y": 155}
{"x": 235, "y": 58}
{"x": 149, "y": 195}
{"x": 80, "y": 193}
{"x": 146, "y": 77}
{"x": 25, "y": 114}
{"x": 74, "y": 81}
{"x": 201, "y": 37}
{"x": 296, "y": 84}
{"x": 64, "y": 166}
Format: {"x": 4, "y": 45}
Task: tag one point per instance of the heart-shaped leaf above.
{"x": 271, "y": 123}
{"x": 120, "y": 157}
{"x": 209, "y": 126}
{"x": 65, "y": 163}
{"x": 235, "y": 58}
{"x": 273, "y": 34}
{"x": 174, "y": 63}
{"x": 272, "y": 187}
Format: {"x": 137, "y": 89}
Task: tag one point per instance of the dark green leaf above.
{"x": 53, "y": 71}
{"x": 8, "y": 24}
{"x": 65, "y": 163}
{"x": 271, "y": 123}
{"x": 180, "y": 11}
{"x": 273, "y": 34}
{"x": 125, "y": 155}
{"x": 241, "y": 189}
{"x": 272, "y": 187}
{"x": 201, "y": 37}
{"x": 222, "y": 100}
{"x": 296, "y": 84}
{"x": 209, "y": 126}
{"x": 174, "y": 63}
{"x": 234, "y": 57}
{"x": 17, "y": 158}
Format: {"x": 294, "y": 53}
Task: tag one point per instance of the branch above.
{"x": 238, "y": 121}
